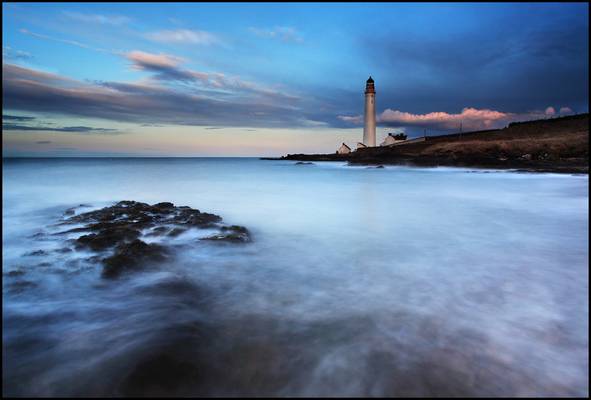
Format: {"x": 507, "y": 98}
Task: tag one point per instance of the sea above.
{"x": 359, "y": 281}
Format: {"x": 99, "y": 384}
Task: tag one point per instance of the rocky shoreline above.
{"x": 555, "y": 145}
{"x": 576, "y": 166}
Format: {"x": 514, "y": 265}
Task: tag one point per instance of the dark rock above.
{"x": 233, "y": 234}
{"x": 124, "y": 210}
{"x": 74, "y": 230}
{"x": 108, "y": 238}
{"x": 159, "y": 230}
{"x": 201, "y": 220}
{"x": 132, "y": 204}
{"x": 118, "y": 229}
{"x": 162, "y": 232}
{"x": 235, "y": 228}
{"x": 64, "y": 250}
{"x": 176, "y": 231}
{"x": 129, "y": 256}
{"x": 304, "y": 163}
{"x": 163, "y": 206}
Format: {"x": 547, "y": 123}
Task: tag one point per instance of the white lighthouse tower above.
{"x": 369, "y": 130}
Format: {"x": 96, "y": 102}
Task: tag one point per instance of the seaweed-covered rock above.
{"x": 163, "y": 206}
{"x": 232, "y": 234}
{"x": 117, "y": 230}
{"x": 196, "y": 218}
{"x": 108, "y": 238}
{"x": 129, "y": 256}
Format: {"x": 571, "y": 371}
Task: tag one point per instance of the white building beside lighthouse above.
{"x": 344, "y": 149}
{"x": 369, "y": 130}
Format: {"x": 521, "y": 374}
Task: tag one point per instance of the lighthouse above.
{"x": 369, "y": 130}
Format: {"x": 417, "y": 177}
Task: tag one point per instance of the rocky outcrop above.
{"x": 232, "y": 234}
{"x": 130, "y": 256}
{"x": 116, "y": 232}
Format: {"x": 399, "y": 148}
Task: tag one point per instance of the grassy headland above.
{"x": 556, "y": 145}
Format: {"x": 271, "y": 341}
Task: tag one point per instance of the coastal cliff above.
{"x": 548, "y": 145}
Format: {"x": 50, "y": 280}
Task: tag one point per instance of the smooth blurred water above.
{"x": 360, "y": 281}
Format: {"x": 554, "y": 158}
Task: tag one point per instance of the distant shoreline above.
{"x": 564, "y": 169}
{"x": 554, "y": 145}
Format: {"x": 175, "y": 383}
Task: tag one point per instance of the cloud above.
{"x": 43, "y": 142}
{"x": 76, "y": 129}
{"x": 97, "y": 18}
{"x": 283, "y": 33}
{"x": 468, "y": 119}
{"x": 145, "y": 60}
{"x": 9, "y": 53}
{"x": 168, "y": 68}
{"x": 18, "y": 118}
{"x": 238, "y": 103}
{"x": 565, "y": 110}
{"x": 183, "y": 36}
{"x": 514, "y": 60}
{"x": 356, "y": 119}
{"x": 12, "y": 72}
{"x": 18, "y": 123}
{"x": 165, "y": 66}
{"x": 207, "y": 99}
{"x": 45, "y": 37}
{"x": 66, "y": 41}
{"x": 34, "y": 91}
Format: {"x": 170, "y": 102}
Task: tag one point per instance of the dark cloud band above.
{"x": 77, "y": 129}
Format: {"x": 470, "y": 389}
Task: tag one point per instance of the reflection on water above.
{"x": 395, "y": 281}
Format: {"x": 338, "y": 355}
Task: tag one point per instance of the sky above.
{"x": 233, "y": 79}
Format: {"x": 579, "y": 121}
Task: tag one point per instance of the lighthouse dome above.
{"x": 370, "y": 80}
